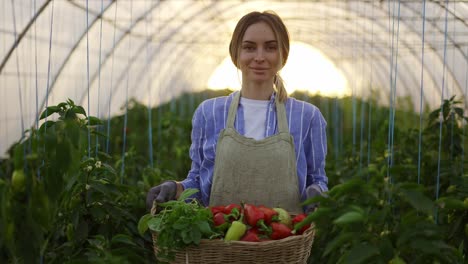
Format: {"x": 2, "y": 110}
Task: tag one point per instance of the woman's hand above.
{"x": 312, "y": 191}
{"x": 164, "y": 192}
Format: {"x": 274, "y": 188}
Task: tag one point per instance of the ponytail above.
{"x": 280, "y": 89}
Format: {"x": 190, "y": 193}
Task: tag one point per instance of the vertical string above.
{"x": 20, "y": 96}
{"x": 336, "y": 129}
{"x": 361, "y": 139}
{"x": 369, "y": 125}
{"x": 150, "y": 82}
{"x": 87, "y": 75}
{"x": 49, "y": 61}
{"x": 441, "y": 117}
{"x": 122, "y": 168}
{"x": 421, "y": 90}
{"x": 4, "y": 110}
{"x": 354, "y": 92}
{"x": 99, "y": 75}
{"x": 159, "y": 115}
{"x": 452, "y": 124}
{"x": 391, "y": 26}
{"x": 464, "y": 121}
{"x": 393, "y": 78}
{"x": 341, "y": 102}
{"x": 111, "y": 83}
{"x": 392, "y": 122}
{"x": 35, "y": 66}
{"x": 47, "y": 89}
{"x": 336, "y": 107}
{"x": 38, "y": 171}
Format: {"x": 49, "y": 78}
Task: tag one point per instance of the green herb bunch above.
{"x": 180, "y": 223}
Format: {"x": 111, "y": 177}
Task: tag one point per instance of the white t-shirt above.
{"x": 254, "y": 117}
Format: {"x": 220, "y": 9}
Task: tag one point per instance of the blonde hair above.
{"x": 282, "y": 37}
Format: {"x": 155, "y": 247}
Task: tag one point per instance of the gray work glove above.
{"x": 311, "y": 192}
{"x": 164, "y": 192}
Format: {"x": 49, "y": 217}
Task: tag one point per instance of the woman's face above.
{"x": 259, "y": 55}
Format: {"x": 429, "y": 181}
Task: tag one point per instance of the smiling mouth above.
{"x": 258, "y": 69}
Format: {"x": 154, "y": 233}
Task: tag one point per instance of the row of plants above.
{"x": 69, "y": 193}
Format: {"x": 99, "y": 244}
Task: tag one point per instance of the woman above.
{"x": 256, "y": 145}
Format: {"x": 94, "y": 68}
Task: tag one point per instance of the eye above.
{"x": 272, "y": 47}
{"x": 249, "y": 48}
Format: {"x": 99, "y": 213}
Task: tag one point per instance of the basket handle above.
{"x": 153, "y": 208}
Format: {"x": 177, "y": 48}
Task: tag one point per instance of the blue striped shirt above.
{"x": 306, "y": 125}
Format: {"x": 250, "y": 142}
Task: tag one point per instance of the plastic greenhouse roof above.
{"x": 100, "y": 53}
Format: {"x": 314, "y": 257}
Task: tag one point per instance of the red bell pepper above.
{"x": 233, "y": 211}
{"x": 228, "y": 208}
{"x": 297, "y": 219}
{"x": 216, "y": 209}
{"x": 252, "y": 235}
{"x": 269, "y": 214}
{"x": 253, "y": 214}
{"x": 279, "y": 231}
{"x": 219, "y": 219}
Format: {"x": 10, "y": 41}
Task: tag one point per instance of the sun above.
{"x": 307, "y": 69}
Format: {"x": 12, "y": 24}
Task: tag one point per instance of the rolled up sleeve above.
{"x": 196, "y": 151}
{"x": 316, "y": 151}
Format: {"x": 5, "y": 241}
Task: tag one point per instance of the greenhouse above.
{"x": 99, "y": 103}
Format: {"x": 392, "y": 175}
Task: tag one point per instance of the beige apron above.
{"x": 261, "y": 172}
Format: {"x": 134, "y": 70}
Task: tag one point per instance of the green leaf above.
{"x": 338, "y": 241}
{"x": 187, "y": 193}
{"x": 396, "y": 260}
{"x": 418, "y": 200}
{"x": 349, "y": 217}
{"x": 143, "y": 223}
{"x": 361, "y": 253}
{"x": 97, "y": 212}
{"x": 46, "y": 125}
{"x": 19, "y": 156}
{"x": 351, "y": 186}
{"x": 204, "y": 227}
{"x": 64, "y": 157}
{"x": 459, "y": 111}
{"x": 82, "y": 231}
{"x": 109, "y": 168}
{"x": 49, "y": 111}
{"x": 92, "y": 121}
{"x": 79, "y": 110}
{"x": 98, "y": 133}
{"x": 196, "y": 236}
{"x": 62, "y": 105}
{"x": 356, "y": 209}
{"x": 181, "y": 224}
{"x": 107, "y": 189}
{"x": 451, "y": 203}
{"x": 122, "y": 238}
{"x": 155, "y": 224}
{"x": 428, "y": 247}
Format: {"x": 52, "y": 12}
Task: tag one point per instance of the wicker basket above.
{"x": 293, "y": 249}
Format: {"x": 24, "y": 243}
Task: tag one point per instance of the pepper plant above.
{"x": 387, "y": 212}
{"x": 72, "y": 206}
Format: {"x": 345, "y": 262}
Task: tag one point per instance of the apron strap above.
{"x": 233, "y": 110}
{"x": 280, "y": 112}
{"x": 281, "y": 115}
